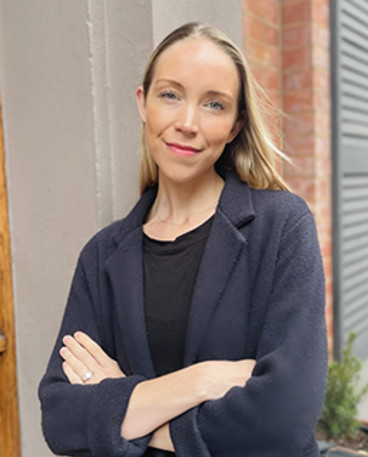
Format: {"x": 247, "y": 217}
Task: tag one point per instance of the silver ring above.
{"x": 87, "y": 376}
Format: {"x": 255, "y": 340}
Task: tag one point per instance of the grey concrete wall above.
{"x": 224, "y": 14}
{"x": 68, "y": 73}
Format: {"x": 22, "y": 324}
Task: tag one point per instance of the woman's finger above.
{"x": 73, "y": 362}
{"x": 80, "y": 352}
{"x": 70, "y": 374}
{"x": 92, "y": 347}
{"x": 85, "y": 356}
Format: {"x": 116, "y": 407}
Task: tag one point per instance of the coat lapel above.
{"x": 126, "y": 273}
{"x": 221, "y": 254}
{"x": 125, "y": 269}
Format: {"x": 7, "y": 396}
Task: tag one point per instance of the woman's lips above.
{"x": 182, "y": 149}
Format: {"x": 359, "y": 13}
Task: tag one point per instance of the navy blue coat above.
{"x": 259, "y": 294}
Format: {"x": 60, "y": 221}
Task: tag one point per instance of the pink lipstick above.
{"x": 182, "y": 149}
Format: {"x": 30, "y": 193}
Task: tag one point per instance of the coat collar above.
{"x": 125, "y": 268}
{"x": 235, "y": 203}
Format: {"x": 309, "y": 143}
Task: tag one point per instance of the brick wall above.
{"x": 287, "y": 45}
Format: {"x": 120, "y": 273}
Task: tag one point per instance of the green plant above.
{"x": 339, "y": 413}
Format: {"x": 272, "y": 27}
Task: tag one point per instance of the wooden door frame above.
{"x": 9, "y": 418}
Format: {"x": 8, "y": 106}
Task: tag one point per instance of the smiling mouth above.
{"x": 182, "y": 149}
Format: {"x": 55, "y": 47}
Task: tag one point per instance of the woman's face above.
{"x": 190, "y": 110}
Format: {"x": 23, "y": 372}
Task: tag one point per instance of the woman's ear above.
{"x": 238, "y": 125}
{"x": 141, "y": 103}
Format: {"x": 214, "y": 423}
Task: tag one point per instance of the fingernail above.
{"x": 63, "y": 350}
{"x": 77, "y": 334}
{"x": 66, "y": 338}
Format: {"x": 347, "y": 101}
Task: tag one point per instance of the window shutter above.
{"x": 349, "y": 68}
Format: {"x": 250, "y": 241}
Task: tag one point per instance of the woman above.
{"x": 195, "y": 324}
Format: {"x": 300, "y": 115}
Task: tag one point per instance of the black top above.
{"x": 170, "y": 271}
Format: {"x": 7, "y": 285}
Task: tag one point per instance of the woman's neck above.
{"x": 180, "y": 207}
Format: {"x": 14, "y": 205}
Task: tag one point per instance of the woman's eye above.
{"x": 168, "y": 95}
{"x": 217, "y": 106}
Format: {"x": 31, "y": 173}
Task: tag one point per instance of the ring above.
{"x": 87, "y": 376}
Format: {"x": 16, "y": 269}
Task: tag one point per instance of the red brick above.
{"x": 323, "y": 187}
{"x": 323, "y": 164}
{"x": 324, "y": 210}
{"x": 271, "y": 35}
{"x": 273, "y": 124}
{"x": 321, "y": 81}
{"x": 256, "y": 29}
{"x": 274, "y": 97}
{"x": 299, "y": 35}
{"x": 302, "y": 146}
{"x": 329, "y": 283}
{"x": 271, "y": 79}
{"x": 296, "y": 12}
{"x": 300, "y": 167}
{"x": 303, "y": 187}
{"x": 322, "y": 146}
{"x": 265, "y": 9}
{"x": 258, "y": 72}
{"x": 320, "y": 13}
{"x": 329, "y": 313}
{"x": 321, "y": 36}
{"x": 320, "y": 57}
{"x": 297, "y": 102}
{"x": 328, "y": 267}
{"x": 322, "y": 123}
{"x": 264, "y": 55}
{"x": 297, "y": 59}
{"x": 298, "y": 81}
{"x": 301, "y": 124}
{"x": 326, "y": 250}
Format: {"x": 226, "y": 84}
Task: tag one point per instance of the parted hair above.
{"x": 251, "y": 154}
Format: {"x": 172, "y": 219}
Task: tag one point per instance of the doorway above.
{"x": 9, "y": 421}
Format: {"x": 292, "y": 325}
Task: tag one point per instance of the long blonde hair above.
{"x": 252, "y": 153}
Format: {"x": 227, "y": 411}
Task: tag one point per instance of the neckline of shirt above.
{"x": 192, "y": 236}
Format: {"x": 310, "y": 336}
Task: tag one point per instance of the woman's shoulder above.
{"x": 279, "y": 203}
{"x": 108, "y": 238}
{"x": 103, "y": 244}
{"x": 279, "y": 212}
{"x": 263, "y": 204}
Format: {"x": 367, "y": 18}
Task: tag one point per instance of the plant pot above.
{"x": 331, "y": 449}
{"x": 338, "y": 451}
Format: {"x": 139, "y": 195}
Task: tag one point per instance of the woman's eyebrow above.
{"x": 212, "y": 93}
{"x": 168, "y": 80}
{"x": 217, "y": 93}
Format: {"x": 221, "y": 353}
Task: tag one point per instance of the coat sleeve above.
{"x": 275, "y": 414}
{"x": 85, "y": 420}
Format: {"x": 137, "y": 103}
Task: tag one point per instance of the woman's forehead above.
{"x": 197, "y": 61}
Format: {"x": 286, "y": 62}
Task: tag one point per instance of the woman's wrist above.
{"x": 198, "y": 382}
{"x": 157, "y": 401}
{"x": 161, "y": 439}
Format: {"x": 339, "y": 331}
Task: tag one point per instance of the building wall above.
{"x": 287, "y": 45}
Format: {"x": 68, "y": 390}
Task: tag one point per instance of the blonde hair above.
{"x": 252, "y": 153}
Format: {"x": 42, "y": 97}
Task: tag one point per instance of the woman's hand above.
{"x": 85, "y": 362}
{"x": 217, "y": 377}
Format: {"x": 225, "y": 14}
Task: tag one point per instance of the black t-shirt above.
{"x": 170, "y": 271}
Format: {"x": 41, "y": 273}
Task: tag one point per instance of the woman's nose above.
{"x": 187, "y": 121}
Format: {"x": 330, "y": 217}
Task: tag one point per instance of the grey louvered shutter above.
{"x": 349, "y": 69}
